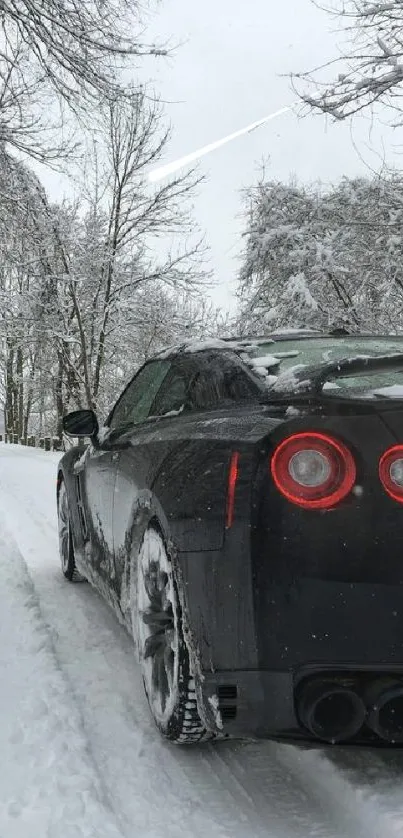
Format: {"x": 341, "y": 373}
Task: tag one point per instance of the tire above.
{"x": 66, "y": 549}
{"x": 163, "y": 654}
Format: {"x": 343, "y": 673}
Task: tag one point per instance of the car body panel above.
{"x": 281, "y": 593}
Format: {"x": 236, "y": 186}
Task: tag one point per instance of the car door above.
{"x": 101, "y": 464}
{"x": 96, "y": 481}
{"x": 194, "y": 385}
{"x": 143, "y": 448}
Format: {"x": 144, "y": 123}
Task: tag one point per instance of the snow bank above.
{"x": 49, "y": 786}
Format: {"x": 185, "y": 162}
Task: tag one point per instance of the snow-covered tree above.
{"x": 321, "y": 257}
{"x": 280, "y": 256}
{"x": 58, "y": 58}
{"x": 84, "y": 293}
{"x": 23, "y": 280}
{"x": 83, "y": 297}
{"x": 66, "y": 297}
{"x": 370, "y": 67}
{"x": 112, "y": 277}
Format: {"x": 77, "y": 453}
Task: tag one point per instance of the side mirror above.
{"x": 80, "y": 423}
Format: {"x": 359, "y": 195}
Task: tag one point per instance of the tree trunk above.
{"x": 30, "y": 394}
{"x": 9, "y": 408}
{"x": 59, "y": 394}
{"x": 20, "y": 392}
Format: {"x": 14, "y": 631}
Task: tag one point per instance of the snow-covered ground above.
{"x": 80, "y": 756}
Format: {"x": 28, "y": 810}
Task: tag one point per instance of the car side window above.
{"x": 222, "y": 379}
{"x": 135, "y": 402}
{"x": 205, "y": 381}
{"x": 173, "y": 394}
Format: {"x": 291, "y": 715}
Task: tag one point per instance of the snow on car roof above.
{"x": 393, "y": 391}
{"x": 278, "y": 334}
{"x": 237, "y": 342}
{"x": 289, "y": 332}
{"x": 289, "y": 381}
{"x": 193, "y": 346}
{"x": 266, "y": 361}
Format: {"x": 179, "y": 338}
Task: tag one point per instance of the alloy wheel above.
{"x": 157, "y": 626}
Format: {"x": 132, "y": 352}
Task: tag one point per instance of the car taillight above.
{"x": 313, "y": 470}
{"x": 391, "y": 472}
{"x": 232, "y": 481}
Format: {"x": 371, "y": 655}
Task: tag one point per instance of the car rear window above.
{"x": 312, "y": 351}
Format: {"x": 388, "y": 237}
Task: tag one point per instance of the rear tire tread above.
{"x": 191, "y": 729}
{"x": 184, "y": 726}
{"x": 70, "y": 573}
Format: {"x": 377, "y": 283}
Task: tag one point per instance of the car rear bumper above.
{"x": 310, "y": 632}
{"x": 261, "y": 704}
{"x": 261, "y": 632}
{"x": 257, "y": 704}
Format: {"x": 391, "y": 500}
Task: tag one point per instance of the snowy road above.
{"x": 80, "y": 755}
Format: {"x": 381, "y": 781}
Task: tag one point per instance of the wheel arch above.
{"x": 146, "y": 511}
{"x": 146, "y": 514}
{"x": 59, "y": 481}
{"x": 205, "y": 726}
{"x": 65, "y": 474}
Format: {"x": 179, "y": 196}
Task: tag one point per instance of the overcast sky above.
{"x": 231, "y": 70}
{"x": 227, "y": 74}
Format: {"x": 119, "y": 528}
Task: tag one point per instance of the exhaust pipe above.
{"x": 385, "y": 710}
{"x": 330, "y": 711}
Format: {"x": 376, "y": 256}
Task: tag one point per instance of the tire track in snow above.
{"x": 257, "y": 789}
{"x": 193, "y": 786}
{"x": 133, "y": 748}
{"x": 353, "y": 782}
{"x": 116, "y": 696}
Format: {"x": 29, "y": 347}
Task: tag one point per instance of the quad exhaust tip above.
{"x": 384, "y": 700}
{"x": 331, "y": 711}
{"x": 334, "y": 712}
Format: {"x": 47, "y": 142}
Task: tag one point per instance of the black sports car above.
{"x": 242, "y": 511}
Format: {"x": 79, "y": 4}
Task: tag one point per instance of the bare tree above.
{"x": 124, "y": 219}
{"x": 86, "y": 291}
{"x": 77, "y": 46}
{"x": 21, "y": 285}
{"x": 58, "y": 57}
{"x": 370, "y": 66}
{"x": 78, "y": 314}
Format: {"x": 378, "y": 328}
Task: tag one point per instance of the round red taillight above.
{"x": 391, "y": 472}
{"x": 313, "y": 470}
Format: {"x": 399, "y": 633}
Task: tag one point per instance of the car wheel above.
{"x": 163, "y": 654}
{"x": 66, "y": 549}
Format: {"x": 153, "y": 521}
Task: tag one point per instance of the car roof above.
{"x": 284, "y": 334}
{"x": 241, "y": 342}
{"x": 302, "y": 334}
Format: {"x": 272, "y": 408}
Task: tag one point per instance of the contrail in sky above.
{"x": 169, "y": 168}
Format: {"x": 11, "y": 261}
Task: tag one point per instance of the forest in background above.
{"x": 85, "y": 294}
{"x": 324, "y": 257}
